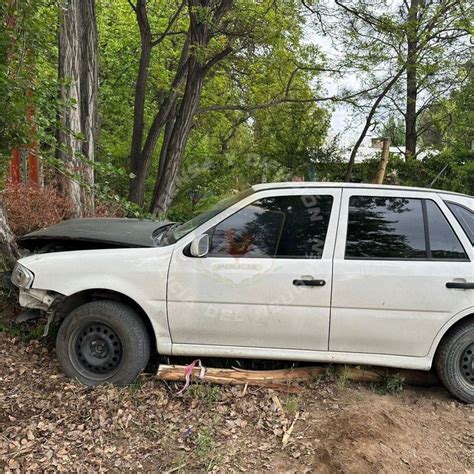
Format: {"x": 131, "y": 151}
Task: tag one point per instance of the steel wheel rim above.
{"x": 96, "y": 351}
{"x": 466, "y": 364}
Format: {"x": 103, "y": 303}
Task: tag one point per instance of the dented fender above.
{"x": 44, "y": 300}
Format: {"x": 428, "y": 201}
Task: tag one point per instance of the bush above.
{"x": 31, "y": 207}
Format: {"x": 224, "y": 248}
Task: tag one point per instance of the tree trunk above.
{"x": 177, "y": 129}
{"x": 412, "y": 87}
{"x": 162, "y": 165}
{"x": 280, "y": 378}
{"x": 383, "y": 162}
{"x": 142, "y": 164}
{"x": 78, "y": 75}
{"x": 175, "y": 143}
{"x": 140, "y": 158}
{"x": 8, "y": 248}
{"x": 138, "y": 182}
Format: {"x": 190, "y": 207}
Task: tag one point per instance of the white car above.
{"x": 346, "y": 273}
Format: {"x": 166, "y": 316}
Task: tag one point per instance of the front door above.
{"x": 266, "y": 281}
{"x": 396, "y": 252}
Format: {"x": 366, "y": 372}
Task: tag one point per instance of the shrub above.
{"x": 31, "y": 207}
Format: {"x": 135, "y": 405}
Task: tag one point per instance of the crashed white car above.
{"x": 346, "y": 273}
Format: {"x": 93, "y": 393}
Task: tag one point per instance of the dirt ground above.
{"x": 48, "y": 422}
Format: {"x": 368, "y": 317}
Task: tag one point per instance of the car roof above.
{"x": 325, "y": 184}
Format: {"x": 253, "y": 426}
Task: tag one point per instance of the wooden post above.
{"x": 383, "y": 161}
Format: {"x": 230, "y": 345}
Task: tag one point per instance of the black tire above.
{"x": 103, "y": 342}
{"x": 455, "y": 359}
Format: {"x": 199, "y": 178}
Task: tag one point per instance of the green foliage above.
{"x": 291, "y": 404}
{"x": 27, "y": 74}
{"x": 205, "y": 442}
{"x": 389, "y": 385}
{"x": 234, "y": 147}
{"x": 394, "y": 129}
{"x": 229, "y": 149}
{"x": 209, "y": 394}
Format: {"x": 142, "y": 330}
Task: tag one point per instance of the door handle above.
{"x": 309, "y": 282}
{"x": 462, "y": 285}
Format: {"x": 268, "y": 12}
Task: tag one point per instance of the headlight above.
{"x": 22, "y": 277}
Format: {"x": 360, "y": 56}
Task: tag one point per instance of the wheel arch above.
{"x": 451, "y": 325}
{"x": 73, "y": 301}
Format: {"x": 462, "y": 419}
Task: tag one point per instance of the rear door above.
{"x": 395, "y": 254}
{"x": 266, "y": 281}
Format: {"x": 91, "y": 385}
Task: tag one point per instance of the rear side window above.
{"x": 444, "y": 243}
{"x": 399, "y": 228}
{"x": 275, "y": 227}
{"x": 465, "y": 217}
{"x": 385, "y": 228}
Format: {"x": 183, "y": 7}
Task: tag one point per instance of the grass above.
{"x": 342, "y": 377}
{"x": 25, "y": 332}
{"x": 136, "y": 386}
{"x": 205, "y": 442}
{"x": 209, "y": 394}
{"x": 390, "y": 384}
{"x": 291, "y": 404}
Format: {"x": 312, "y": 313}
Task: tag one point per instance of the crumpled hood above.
{"x": 108, "y": 231}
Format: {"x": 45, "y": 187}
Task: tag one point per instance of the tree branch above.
{"x": 216, "y": 58}
{"x": 171, "y": 22}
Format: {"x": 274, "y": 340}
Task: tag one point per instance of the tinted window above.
{"x": 443, "y": 240}
{"x": 281, "y": 227}
{"x": 465, "y": 217}
{"x": 381, "y": 227}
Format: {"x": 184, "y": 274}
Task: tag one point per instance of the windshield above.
{"x": 177, "y": 232}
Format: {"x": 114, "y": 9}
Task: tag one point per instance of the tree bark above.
{"x": 177, "y": 124}
{"x": 8, "y": 248}
{"x": 141, "y": 157}
{"x": 139, "y": 104}
{"x": 279, "y": 379}
{"x": 78, "y": 75}
{"x": 199, "y": 36}
{"x": 383, "y": 162}
{"x": 412, "y": 85}
{"x": 175, "y": 141}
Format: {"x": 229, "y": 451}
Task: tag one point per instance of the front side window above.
{"x": 385, "y": 228}
{"x": 275, "y": 227}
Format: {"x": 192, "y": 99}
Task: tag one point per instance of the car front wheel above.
{"x": 455, "y": 362}
{"x": 103, "y": 342}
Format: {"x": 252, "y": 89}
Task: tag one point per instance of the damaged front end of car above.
{"x": 38, "y": 303}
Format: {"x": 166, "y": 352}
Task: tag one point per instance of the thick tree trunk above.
{"x": 143, "y": 161}
{"x": 8, "y": 248}
{"x": 177, "y": 129}
{"x": 138, "y": 182}
{"x": 78, "y": 74}
{"x": 176, "y": 139}
{"x": 140, "y": 158}
{"x": 412, "y": 86}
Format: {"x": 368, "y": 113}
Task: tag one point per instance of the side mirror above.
{"x": 200, "y": 246}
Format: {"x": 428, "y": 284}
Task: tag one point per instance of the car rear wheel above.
{"x": 103, "y": 342}
{"x": 455, "y": 362}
